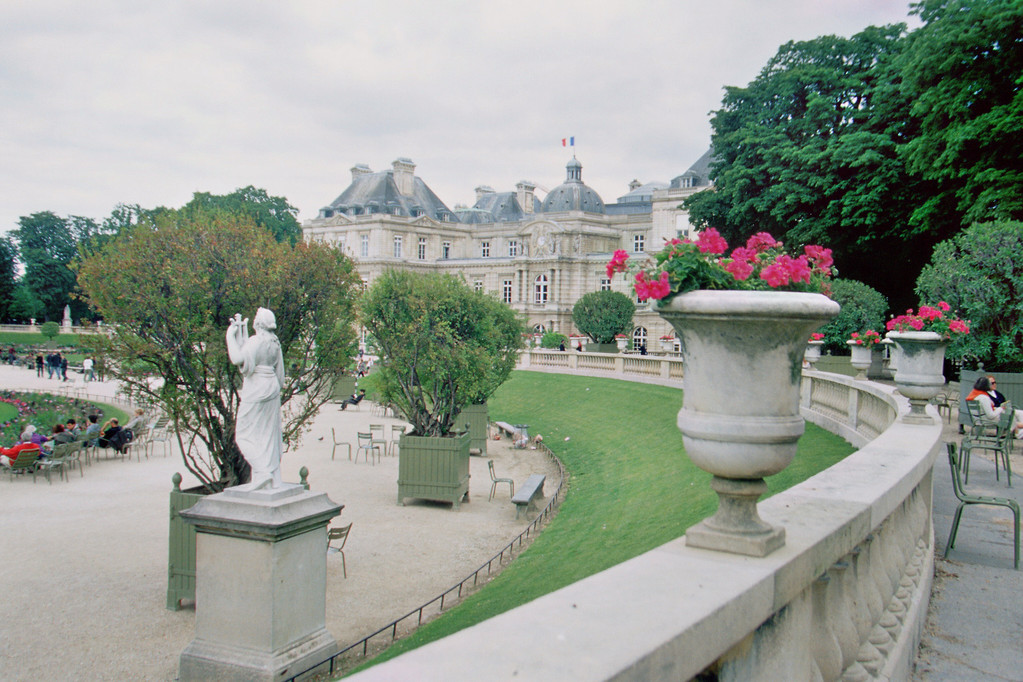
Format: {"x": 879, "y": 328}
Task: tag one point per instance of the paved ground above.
{"x": 85, "y": 561}
{"x": 975, "y": 621}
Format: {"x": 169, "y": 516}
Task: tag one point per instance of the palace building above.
{"x": 539, "y": 256}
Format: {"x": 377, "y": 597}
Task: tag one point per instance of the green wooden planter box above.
{"x": 478, "y": 419}
{"x": 181, "y": 553}
{"x": 344, "y": 387}
{"x": 434, "y": 468}
{"x": 601, "y": 347}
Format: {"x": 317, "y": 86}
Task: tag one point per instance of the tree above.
{"x": 979, "y": 274}
{"x": 49, "y": 330}
{"x": 443, "y": 345}
{"x": 8, "y": 281}
{"x": 47, "y": 245}
{"x": 863, "y": 308}
{"x": 169, "y": 289}
{"x": 272, "y": 213}
{"x": 553, "y": 340}
{"x": 961, "y": 71}
{"x": 602, "y": 314}
{"x": 24, "y": 304}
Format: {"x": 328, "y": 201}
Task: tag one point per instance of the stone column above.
{"x": 261, "y": 575}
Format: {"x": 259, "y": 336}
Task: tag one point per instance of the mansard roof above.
{"x": 378, "y": 193}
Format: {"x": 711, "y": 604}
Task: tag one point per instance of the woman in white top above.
{"x": 981, "y": 393}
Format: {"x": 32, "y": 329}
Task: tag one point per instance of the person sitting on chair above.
{"x": 8, "y": 455}
{"x": 113, "y": 436}
{"x": 981, "y": 393}
{"x": 355, "y": 399}
{"x": 92, "y": 431}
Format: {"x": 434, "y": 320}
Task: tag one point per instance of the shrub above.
{"x": 553, "y": 340}
{"x": 863, "y": 308}
{"x": 603, "y": 314}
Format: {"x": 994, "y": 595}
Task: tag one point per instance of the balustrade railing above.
{"x": 844, "y": 599}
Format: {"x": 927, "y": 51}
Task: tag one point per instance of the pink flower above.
{"x": 816, "y": 336}
{"x": 762, "y": 241}
{"x": 775, "y": 274}
{"x": 711, "y": 241}
{"x": 655, "y": 289}
{"x": 617, "y": 262}
{"x": 744, "y": 254}
{"x": 798, "y": 268}
{"x": 820, "y": 256}
{"x": 958, "y": 326}
{"x": 740, "y": 269}
{"x": 944, "y": 306}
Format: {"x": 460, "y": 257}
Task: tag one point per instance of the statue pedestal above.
{"x": 261, "y": 576}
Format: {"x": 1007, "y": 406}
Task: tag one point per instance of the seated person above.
{"x": 92, "y": 431}
{"x": 8, "y": 455}
{"x": 30, "y": 435}
{"x": 137, "y": 421}
{"x": 355, "y": 399}
{"x": 73, "y": 428}
{"x": 981, "y": 393}
{"x": 113, "y": 436}
{"x": 62, "y": 435}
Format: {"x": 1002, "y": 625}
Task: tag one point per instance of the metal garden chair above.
{"x": 339, "y": 535}
{"x": 965, "y": 499}
{"x": 494, "y": 480}
{"x": 337, "y": 443}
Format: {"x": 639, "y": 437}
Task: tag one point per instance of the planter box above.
{"x": 181, "y": 546}
{"x": 479, "y": 420}
{"x": 344, "y": 387}
{"x": 434, "y": 468}
{"x": 602, "y": 348}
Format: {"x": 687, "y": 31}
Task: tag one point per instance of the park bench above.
{"x": 505, "y": 427}
{"x": 528, "y": 493}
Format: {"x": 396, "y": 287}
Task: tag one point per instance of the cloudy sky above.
{"x": 114, "y": 101}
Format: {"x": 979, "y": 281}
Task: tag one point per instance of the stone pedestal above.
{"x": 261, "y": 575}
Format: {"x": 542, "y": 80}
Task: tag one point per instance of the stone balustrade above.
{"x": 844, "y": 599}
{"x": 647, "y": 369}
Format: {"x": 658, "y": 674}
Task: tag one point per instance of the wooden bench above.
{"x": 505, "y": 427}
{"x": 528, "y": 493}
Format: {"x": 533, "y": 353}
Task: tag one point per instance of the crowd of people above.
{"x": 110, "y": 434}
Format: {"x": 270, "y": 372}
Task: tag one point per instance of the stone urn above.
{"x": 861, "y": 358}
{"x": 622, "y": 340}
{"x": 921, "y": 358}
{"x": 740, "y": 420}
{"x": 812, "y": 352}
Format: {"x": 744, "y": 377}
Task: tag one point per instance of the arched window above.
{"x": 540, "y": 290}
{"x": 638, "y": 337}
{"x": 539, "y": 329}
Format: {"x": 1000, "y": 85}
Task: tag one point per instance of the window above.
{"x": 397, "y": 247}
{"x": 477, "y": 286}
{"x": 485, "y": 249}
{"x": 539, "y": 329}
{"x": 445, "y": 250}
{"x": 540, "y": 290}
{"x": 513, "y": 247}
{"x": 605, "y": 284}
{"x": 638, "y": 243}
{"x": 422, "y": 248}
{"x": 364, "y": 248}
{"x": 638, "y": 337}
{"x": 506, "y": 291}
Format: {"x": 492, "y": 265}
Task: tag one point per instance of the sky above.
{"x": 121, "y": 101}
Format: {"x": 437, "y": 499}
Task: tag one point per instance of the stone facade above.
{"x": 539, "y": 257}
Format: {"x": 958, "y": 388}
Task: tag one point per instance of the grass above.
{"x": 631, "y": 486}
{"x": 44, "y": 410}
{"x": 25, "y": 341}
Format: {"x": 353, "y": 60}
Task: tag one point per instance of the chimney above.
{"x": 360, "y": 169}
{"x": 524, "y": 189}
{"x": 483, "y": 190}
{"x": 635, "y": 184}
{"x": 404, "y": 176}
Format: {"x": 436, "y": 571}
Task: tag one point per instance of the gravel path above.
{"x": 85, "y": 560}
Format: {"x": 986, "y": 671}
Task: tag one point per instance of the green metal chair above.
{"x": 988, "y": 435}
{"x": 27, "y": 463}
{"x": 339, "y": 535}
{"x": 494, "y": 480}
{"x": 366, "y": 446}
{"x": 396, "y": 432}
{"x": 377, "y": 432}
{"x": 333, "y": 437}
{"x": 965, "y": 499}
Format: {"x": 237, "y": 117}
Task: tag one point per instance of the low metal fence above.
{"x": 361, "y": 647}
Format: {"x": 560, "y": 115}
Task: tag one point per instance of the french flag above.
{"x": 568, "y": 142}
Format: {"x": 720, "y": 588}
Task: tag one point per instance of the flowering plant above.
{"x": 930, "y": 319}
{"x": 683, "y": 265}
{"x": 869, "y": 338}
{"x": 816, "y": 336}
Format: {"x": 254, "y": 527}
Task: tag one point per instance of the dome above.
{"x": 573, "y": 194}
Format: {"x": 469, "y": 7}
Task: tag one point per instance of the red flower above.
{"x": 711, "y": 241}
{"x": 617, "y": 263}
{"x": 762, "y": 241}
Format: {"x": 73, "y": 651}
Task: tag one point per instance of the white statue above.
{"x": 258, "y": 431}
{"x": 66, "y": 322}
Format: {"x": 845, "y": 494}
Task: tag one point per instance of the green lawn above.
{"x": 25, "y": 341}
{"x": 631, "y": 486}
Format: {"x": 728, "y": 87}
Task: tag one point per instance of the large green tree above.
{"x": 272, "y": 213}
{"x": 8, "y": 277}
{"x": 963, "y": 74}
{"x": 169, "y": 289}
{"x": 603, "y": 314}
{"x": 47, "y": 244}
{"x": 443, "y": 345}
{"x": 863, "y": 308}
{"x": 980, "y": 274}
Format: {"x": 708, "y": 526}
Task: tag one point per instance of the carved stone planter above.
{"x": 918, "y": 375}
{"x": 861, "y": 357}
{"x": 812, "y": 353}
{"x": 740, "y": 418}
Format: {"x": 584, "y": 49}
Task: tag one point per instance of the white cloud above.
{"x": 118, "y": 101}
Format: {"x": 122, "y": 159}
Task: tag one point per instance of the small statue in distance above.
{"x": 258, "y": 429}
